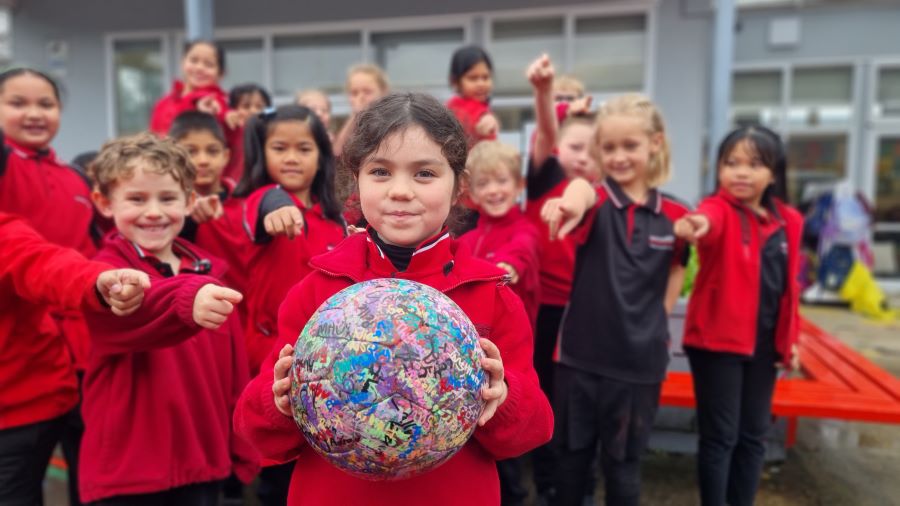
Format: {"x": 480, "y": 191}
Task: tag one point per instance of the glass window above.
{"x": 826, "y": 85}
{"x": 821, "y": 96}
{"x": 243, "y": 62}
{"x": 887, "y": 180}
{"x": 138, "y": 83}
{"x": 314, "y": 61}
{"x": 889, "y": 91}
{"x": 515, "y": 44}
{"x": 416, "y": 59}
{"x": 757, "y": 88}
{"x": 756, "y": 97}
{"x": 609, "y": 53}
{"x": 814, "y": 159}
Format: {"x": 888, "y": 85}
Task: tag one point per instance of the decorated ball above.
{"x": 386, "y": 379}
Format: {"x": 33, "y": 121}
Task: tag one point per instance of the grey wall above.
{"x": 680, "y": 90}
{"x": 833, "y": 32}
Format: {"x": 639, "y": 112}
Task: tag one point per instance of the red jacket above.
{"x": 722, "y": 310}
{"x": 56, "y": 201}
{"x": 235, "y": 168}
{"x": 37, "y": 381}
{"x": 226, "y": 238}
{"x": 277, "y": 265}
{"x": 468, "y": 111}
{"x": 514, "y": 240}
{"x": 160, "y": 391}
{"x": 177, "y": 101}
{"x": 557, "y": 262}
{"x": 521, "y": 423}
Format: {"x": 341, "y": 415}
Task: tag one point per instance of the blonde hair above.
{"x": 569, "y": 83}
{"x": 115, "y": 161}
{"x": 639, "y": 105}
{"x": 304, "y": 94}
{"x": 492, "y": 157}
{"x": 372, "y": 70}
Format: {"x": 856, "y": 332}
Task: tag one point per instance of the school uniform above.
{"x": 613, "y": 348}
{"x": 278, "y": 263}
{"x": 55, "y": 199}
{"x": 557, "y": 263}
{"x": 225, "y": 238}
{"x": 510, "y": 239}
{"x": 742, "y": 320}
{"x": 37, "y": 380}
{"x": 178, "y": 101}
{"x": 160, "y": 390}
{"x": 468, "y": 112}
{"x": 522, "y": 422}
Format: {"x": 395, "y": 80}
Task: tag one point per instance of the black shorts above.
{"x": 589, "y": 408}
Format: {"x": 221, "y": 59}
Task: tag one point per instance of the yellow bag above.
{"x": 864, "y": 294}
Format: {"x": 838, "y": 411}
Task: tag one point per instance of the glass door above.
{"x": 885, "y": 167}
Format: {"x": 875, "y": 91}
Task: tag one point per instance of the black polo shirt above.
{"x": 616, "y": 324}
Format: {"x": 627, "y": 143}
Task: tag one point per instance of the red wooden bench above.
{"x": 835, "y": 382}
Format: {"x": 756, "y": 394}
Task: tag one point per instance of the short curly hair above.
{"x": 116, "y": 161}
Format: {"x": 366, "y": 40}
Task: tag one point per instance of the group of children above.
{"x": 233, "y": 221}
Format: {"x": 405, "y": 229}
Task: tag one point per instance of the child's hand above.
{"x": 580, "y": 106}
{"x": 207, "y": 209}
{"x": 495, "y": 393}
{"x": 692, "y": 227}
{"x": 795, "y": 357}
{"x": 286, "y": 220}
{"x": 281, "y": 386}
{"x": 513, "y": 275}
{"x": 540, "y": 73}
{"x": 213, "y": 304}
{"x": 562, "y": 215}
{"x": 353, "y": 229}
{"x": 234, "y": 119}
{"x": 487, "y": 126}
{"x": 209, "y": 105}
{"x": 123, "y": 289}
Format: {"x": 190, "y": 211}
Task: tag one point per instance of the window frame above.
{"x": 476, "y": 27}
{"x": 109, "y": 48}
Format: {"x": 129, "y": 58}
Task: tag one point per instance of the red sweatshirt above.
{"x": 523, "y": 422}
{"x": 37, "y": 381}
{"x": 55, "y": 200}
{"x": 723, "y": 308}
{"x": 226, "y": 238}
{"x": 514, "y": 240}
{"x": 278, "y": 264}
{"x": 160, "y": 390}
{"x": 557, "y": 257}
{"x": 468, "y": 111}
{"x": 177, "y": 101}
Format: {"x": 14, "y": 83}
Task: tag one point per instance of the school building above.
{"x": 823, "y": 73}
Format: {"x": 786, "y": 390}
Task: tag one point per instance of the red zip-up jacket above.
{"x": 468, "y": 111}
{"x": 226, "y": 238}
{"x": 524, "y": 421}
{"x": 557, "y": 262}
{"x": 278, "y": 264}
{"x": 512, "y": 239}
{"x": 177, "y": 101}
{"x": 55, "y": 200}
{"x": 160, "y": 390}
{"x": 37, "y": 381}
{"x": 722, "y": 311}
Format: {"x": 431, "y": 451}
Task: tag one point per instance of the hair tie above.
{"x": 267, "y": 113}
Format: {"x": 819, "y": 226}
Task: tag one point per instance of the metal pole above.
{"x": 720, "y": 87}
{"x": 198, "y": 17}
